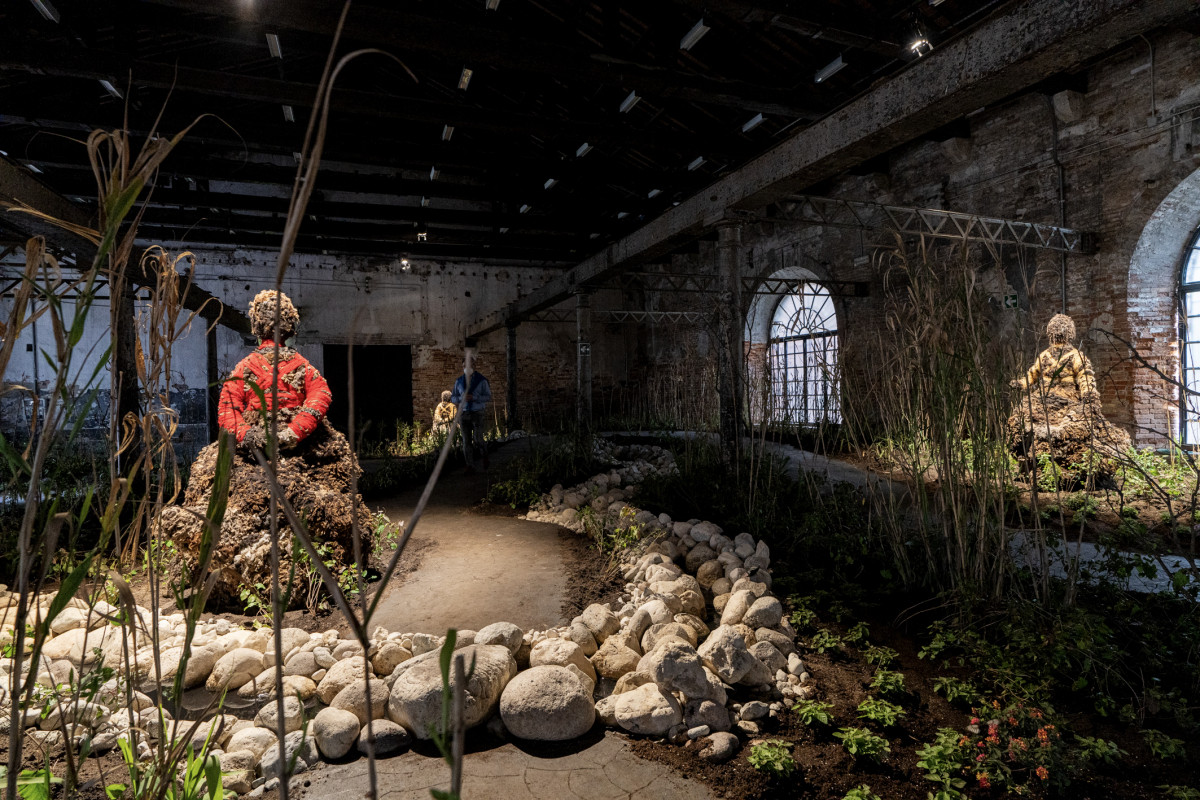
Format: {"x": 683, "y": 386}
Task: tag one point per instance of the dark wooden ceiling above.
{"x": 547, "y": 76}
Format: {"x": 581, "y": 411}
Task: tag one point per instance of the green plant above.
{"x": 1017, "y": 750}
{"x": 861, "y": 743}
{"x": 860, "y": 792}
{"x": 888, "y": 682}
{"x": 880, "y": 656}
{"x": 773, "y": 757}
{"x": 1093, "y": 749}
{"x": 824, "y": 640}
{"x": 804, "y": 619}
{"x": 944, "y": 762}
{"x": 955, "y": 690}
{"x": 201, "y": 777}
{"x": 1163, "y": 746}
{"x": 857, "y": 634}
{"x": 1174, "y": 792}
{"x": 880, "y": 711}
{"x": 33, "y": 784}
{"x": 813, "y": 711}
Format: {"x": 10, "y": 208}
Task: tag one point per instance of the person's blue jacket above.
{"x": 480, "y": 391}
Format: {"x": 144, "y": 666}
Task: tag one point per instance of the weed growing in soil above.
{"x": 861, "y": 743}
{"x": 955, "y": 690}
{"x": 812, "y": 712}
{"x": 861, "y": 792}
{"x": 880, "y": 711}
{"x": 1093, "y": 749}
{"x": 880, "y": 656}
{"x": 774, "y": 757}
{"x": 889, "y": 683}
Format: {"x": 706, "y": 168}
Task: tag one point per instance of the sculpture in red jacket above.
{"x": 314, "y": 467}
{"x": 284, "y": 377}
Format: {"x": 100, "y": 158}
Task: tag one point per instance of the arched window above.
{"x": 802, "y": 358}
{"x": 1190, "y": 357}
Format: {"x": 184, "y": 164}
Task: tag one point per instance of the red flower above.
{"x": 1043, "y": 773}
{"x": 984, "y": 783}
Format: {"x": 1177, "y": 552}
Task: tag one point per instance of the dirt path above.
{"x": 475, "y": 568}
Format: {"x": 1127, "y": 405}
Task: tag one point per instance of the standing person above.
{"x": 443, "y": 415}
{"x": 473, "y": 392}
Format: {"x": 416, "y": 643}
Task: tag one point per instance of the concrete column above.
{"x": 730, "y": 350}
{"x": 511, "y": 385}
{"x": 213, "y": 381}
{"x": 583, "y": 363}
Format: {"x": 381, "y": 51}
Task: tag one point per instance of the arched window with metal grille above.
{"x": 1190, "y": 355}
{"x": 803, "y": 358}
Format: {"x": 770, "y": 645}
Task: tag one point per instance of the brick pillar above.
{"x": 583, "y": 362}
{"x": 510, "y": 390}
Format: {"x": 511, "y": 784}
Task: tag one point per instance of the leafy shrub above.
{"x": 861, "y": 743}
{"x": 944, "y": 762}
{"x": 1018, "y": 750}
{"x": 857, "y": 634}
{"x": 956, "y": 690}
{"x": 887, "y": 682}
{"x": 774, "y": 757}
{"x": 1163, "y": 746}
{"x": 880, "y": 656}
{"x": 880, "y": 711}
{"x": 812, "y": 712}
{"x": 861, "y": 792}
{"x": 1093, "y": 749}
{"x": 824, "y": 640}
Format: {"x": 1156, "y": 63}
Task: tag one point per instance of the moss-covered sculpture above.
{"x": 1059, "y": 416}
{"x": 315, "y": 468}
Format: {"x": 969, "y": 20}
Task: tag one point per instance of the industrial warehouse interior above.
{"x": 543, "y": 399}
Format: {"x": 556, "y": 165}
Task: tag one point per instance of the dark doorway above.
{"x": 382, "y": 388}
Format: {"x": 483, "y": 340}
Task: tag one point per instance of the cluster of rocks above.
{"x": 696, "y": 650}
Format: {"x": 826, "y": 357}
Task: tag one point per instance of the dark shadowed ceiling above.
{"x": 541, "y": 165}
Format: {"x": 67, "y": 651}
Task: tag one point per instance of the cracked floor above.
{"x": 601, "y": 768}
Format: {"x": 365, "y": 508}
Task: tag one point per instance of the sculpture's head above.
{"x": 1060, "y": 329}
{"x": 262, "y": 315}
{"x": 446, "y": 395}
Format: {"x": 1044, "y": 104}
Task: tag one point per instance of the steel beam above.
{"x": 570, "y": 315}
{"x": 19, "y": 187}
{"x": 835, "y": 212}
{"x": 1005, "y": 55}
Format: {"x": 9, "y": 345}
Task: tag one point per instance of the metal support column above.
{"x": 510, "y": 392}
{"x": 583, "y": 363}
{"x": 729, "y": 335}
{"x": 212, "y": 380}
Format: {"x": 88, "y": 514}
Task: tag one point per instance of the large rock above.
{"x": 736, "y": 607}
{"x": 600, "y": 621}
{"x": 416, "y": 698}
{"x": 293, "y": 715}
{"x": 502, "y": 633}
{"x": 254, "y": 739}
{"x": 388, "y": 738}
{"x": 353, "y": 698}
{"x": 706, "y": 712}
{"x": 614, "y": 659}
{"x": 300, "y": 753}
{"x": 234, "y": 669}
{"x": 546, "y": 703}
{"x": 335, "y": 731}
{"x": 581, "y": 635}
{"x": 726, "y": 654}
{"x": 560, "y": 652}
{"x": 770, "y": 656}
{"x": 697, "y": 556}
{"x": 647, "y": 710}
{"x": 341, "y": 675}
{"x": 675, "y": 666}
{"x": 765, "y": 612}
{"x": 667, "y": 630}
{"x": 720, "y": 747}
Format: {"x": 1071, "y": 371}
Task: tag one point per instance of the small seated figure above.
{"x": 1060, "y": 414}
{"x": 443, "y": 415}
{"x": 314, "y": 467}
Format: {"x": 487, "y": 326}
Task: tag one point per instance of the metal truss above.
{"x": 568, "y": 315}
{"x": 809, "y": 210}
{"x": 669, "y": 281}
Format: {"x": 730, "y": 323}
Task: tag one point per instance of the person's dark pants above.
{"x": 474, "y": 448}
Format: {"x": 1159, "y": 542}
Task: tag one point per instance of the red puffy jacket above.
{"x": 300, "y": 386}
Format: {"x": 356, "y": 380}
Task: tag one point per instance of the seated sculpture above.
{"x": 314, "y": 469}
{"x": 1060, "y": 416}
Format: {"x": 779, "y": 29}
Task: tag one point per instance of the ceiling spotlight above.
{"x": 752, "y": 123}
{"x": 629, "y": 102}
{"x": 829, "y": 70}
{"x": 114, "y": 91}
{"x": 504, "y": 230}
{"x": 422, "y": 236}
{"x": 433, "y": 173}
{"x": 653, "y": 193}
{"x": 426, "y": 202}
{"x": 622, "y": 214}
{"x": 296, "y": 155}
{"x": 583, "y": 150}
{"x": 550, "y": 183}
{"x": 524, "y": 208}
{"x": 464, "y": 80}
{"x": 273, "y": 45}
{"x": 404, "y": 263}
{"x": 694, "y": 35}
{"x": 696, "y": 163}
{"x": 920, "y": 45}
{"x": 289, "y": 114}
{"x": 447, "y": 132}
{"x": 32, "y": 167}
{"x": 491, "y": 5}
{"x": 46, "y": 9}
